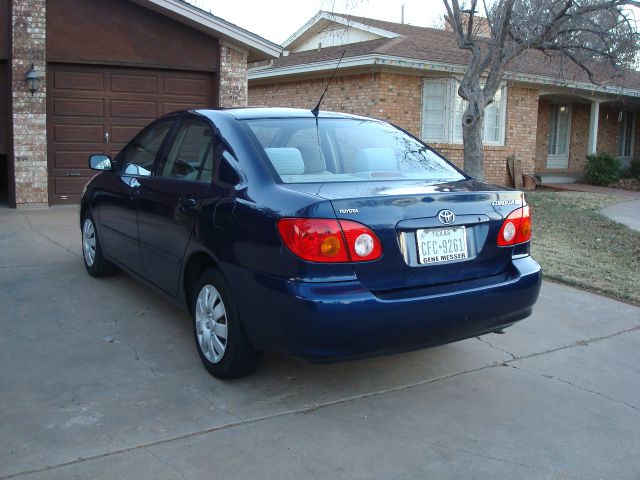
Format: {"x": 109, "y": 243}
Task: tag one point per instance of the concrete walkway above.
{"x": 100, "y": 379}
{"x": 583, "y": 187}
{"x": 627, "y": 212}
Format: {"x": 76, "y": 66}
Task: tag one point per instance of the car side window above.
{"x": 138, "y": 157}
{"x": 188, "y": 157}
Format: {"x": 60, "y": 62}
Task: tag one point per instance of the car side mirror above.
{"x": 100, "y": 162}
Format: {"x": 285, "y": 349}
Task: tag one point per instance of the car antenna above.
{"x": 316, "y": 110}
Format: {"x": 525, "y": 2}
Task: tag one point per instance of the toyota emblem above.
{"x": 446, "y": 216}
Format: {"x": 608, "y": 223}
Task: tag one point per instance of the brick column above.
{"x": 29, "y": 111}
{"x": 233, "y": 77}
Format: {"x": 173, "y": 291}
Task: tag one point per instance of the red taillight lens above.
{"x": 516, "y": 228}
{"x": 323, "y": 240}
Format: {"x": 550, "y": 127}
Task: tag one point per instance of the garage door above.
{"x": 99, "y": 109}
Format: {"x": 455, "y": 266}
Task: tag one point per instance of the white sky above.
{"x": 277, "y": 20}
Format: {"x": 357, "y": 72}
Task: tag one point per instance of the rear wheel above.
{"x": 94, "y": 261}
{"x": 220, "y": 338}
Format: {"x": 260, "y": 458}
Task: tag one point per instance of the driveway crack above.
{"x": 311, "y": 408}
{"x": 575, "y": 385}
{"x": 46, "y": 237}
{"x": 513, "y": 357}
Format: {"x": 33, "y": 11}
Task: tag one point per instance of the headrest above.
{"x": 313, "y": 160}
{"x": 286, "y": 161}
{"x": 375, "y": 159}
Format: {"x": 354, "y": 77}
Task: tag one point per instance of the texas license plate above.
{"x": 438, "y": 245}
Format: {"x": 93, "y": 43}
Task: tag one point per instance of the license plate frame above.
{"x": 437, "y": 246}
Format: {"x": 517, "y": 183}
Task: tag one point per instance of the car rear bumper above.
{"x": 341, "y": 320}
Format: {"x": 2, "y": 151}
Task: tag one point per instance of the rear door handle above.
{"x": 135, "y": 193}
{"x": 188, "y": 203}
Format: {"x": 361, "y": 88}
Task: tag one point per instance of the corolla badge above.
{"x": 446, "y": 216}
{"x": 496, "y": 203}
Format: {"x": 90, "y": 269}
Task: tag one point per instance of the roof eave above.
{"x": 422, "y": 65}
{"x": 259, "y": 48}
{"x": 332, "y": 17}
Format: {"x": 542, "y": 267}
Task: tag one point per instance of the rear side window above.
{"x": 138, "y": 157}
{"x": 189, "y": 156}
{"x": 346, "y": 150}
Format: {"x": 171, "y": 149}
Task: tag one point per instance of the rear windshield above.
{"x": 346, "y": 150}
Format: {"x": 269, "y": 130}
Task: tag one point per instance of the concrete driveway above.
{"x": 100, "y": 379}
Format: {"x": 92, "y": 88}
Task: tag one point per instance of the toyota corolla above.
{"x": 323, "y": 237}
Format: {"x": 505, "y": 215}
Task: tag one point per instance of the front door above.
{"x": 117, "y": 203}
{"x": 559, "y": 131}
{"x": 170, "y": 199}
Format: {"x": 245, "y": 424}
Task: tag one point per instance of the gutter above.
{"x": 422, "y": 65}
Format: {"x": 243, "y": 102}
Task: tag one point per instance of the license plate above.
{"x": 439, "y": 245}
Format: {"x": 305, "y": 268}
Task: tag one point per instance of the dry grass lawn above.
{"x": 577, "y": 245}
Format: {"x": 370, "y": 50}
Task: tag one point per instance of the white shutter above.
{"x": 434, "y": 110}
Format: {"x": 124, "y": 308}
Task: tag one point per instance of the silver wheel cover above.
{"x": 211, "y": 323}
{"x": 89, "y": 242}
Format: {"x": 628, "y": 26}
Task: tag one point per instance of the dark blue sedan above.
{"x": 322, "y": 237}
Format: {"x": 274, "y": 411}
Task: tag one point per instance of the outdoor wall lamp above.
{"x": 32, "y": 79}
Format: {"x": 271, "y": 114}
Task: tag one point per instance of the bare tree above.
{"x": 597, "y": 36}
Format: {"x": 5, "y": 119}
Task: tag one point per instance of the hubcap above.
{"x": 211, "y": 324}
{"x": 89, "y": 242}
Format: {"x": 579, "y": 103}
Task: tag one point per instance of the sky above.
{"x": 278, "y": 19}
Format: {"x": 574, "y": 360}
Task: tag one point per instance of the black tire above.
{"x": 100, "y": 266}
{"x": 238, "y": 357}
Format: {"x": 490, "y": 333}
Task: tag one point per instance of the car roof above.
{"x": 253, "y": 113}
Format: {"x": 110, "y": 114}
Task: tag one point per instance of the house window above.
{"x": 559, "y": 128}
{"x": 443, "y": 110}
{"x": 625, "y": 136}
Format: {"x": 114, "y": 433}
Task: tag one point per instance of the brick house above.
{"x": 107, "y": 68}
{"x": 546, "y": 113}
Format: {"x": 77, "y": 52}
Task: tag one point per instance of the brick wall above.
{"x": 579, "y": 136}
{"x": 233, "y": 77}
{"x": 29, "y": 120}
{"x": 397, "y": 98}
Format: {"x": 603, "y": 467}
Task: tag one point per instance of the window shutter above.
{"x": 434, "y": 110}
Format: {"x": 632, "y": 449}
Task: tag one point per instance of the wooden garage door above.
{"x": 99, "y": 109}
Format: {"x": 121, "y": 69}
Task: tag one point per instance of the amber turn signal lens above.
{"x": 330, "y": 246}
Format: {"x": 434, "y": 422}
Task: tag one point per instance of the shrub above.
{"x": 602, "y": 169}
{"x": 634, "y": 168}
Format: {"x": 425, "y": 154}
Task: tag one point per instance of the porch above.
{"x": 571, "y": 126}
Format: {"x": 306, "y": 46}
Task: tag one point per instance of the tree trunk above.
{"x": 472, "y": 138}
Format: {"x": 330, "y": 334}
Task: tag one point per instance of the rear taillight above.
{"x": 516, "y": 228}
{"x": 329, "y": 240}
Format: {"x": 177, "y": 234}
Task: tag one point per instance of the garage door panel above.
{"x": 73, "y": 159}
{"x": 124, "y": 133}
{"x": 87, "y": 102}
{"x": 134, "y": 84}
{"x": 70, "y": 187}
{"x": 169, "y": 107}
{"x": 78, "y": 107}
{"x": 78, "y": 133}
{"x": 133, "y": 109}
{"x": 78, "y": 81}
{"x": 189, "y": 87}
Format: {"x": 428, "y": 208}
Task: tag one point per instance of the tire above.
{"x": 214, "y": 317}
{"x": 94, "y": 261}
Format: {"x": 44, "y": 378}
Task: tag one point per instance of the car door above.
{"x": 118, "y": 200}
{"x": 170, "y": 199}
